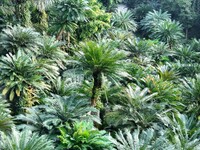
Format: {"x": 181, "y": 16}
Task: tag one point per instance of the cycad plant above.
{"x": 160, "y": 52}
{"x": 191, "y": 92}
{"x": 37, "y": 120}
{"x": 139, "y": 47}
{"x": 21, "y": 78}
{"x": 170, "y": 32}
{"x": 134, "y": 107}
{"x": 19, "y": 38}
{"x": 98, "y": 59}
{"x": 141, "y": 140}
{"x": 69, "y": 108}
{"x": 50, "y": 50}
{"x": 186, "y": 54}
{"x": 65, "y": 86}
{"x": 57, "y": 110}
{"x": 153, "y": 19}
{"x": 83, "y": 136}
{"x": 195, "y": 44}
{"x": 167, "y": 91}
{"x": 25, "y": 140}
{"x": 66, "y": 19}
{"x": 183, "y": 131}
{"x": 124, "y": 20}
{"x": 166, "y": 73}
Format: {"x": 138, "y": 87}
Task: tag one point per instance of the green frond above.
{"x": 183, "y": 130}
{"x": 6, "y": 122}
{"x": 65, "y": 86}
{"x": 50, "y": 49}
{"x": 124, "y": 20}
{"x": 37, "y": 120}
{"x": 83, "y": 136}
{"x": 191, "y": 91}
{"x": 43, "y": 4}
{"x": 153, "y": 19}
{"x": 134, "y": 107}
{"x": 25, "y": 140}
{"x": 101, "y": 58}
{"x": 70, "y": 108}
{"x": 169, "y": 32}
{"x": 141, "y": 140}
{"x": 21, "y": 75}
{"x": 166, "y": 73}
{"x": 19, "y": 38}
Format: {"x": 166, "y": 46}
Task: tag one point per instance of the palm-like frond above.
{"x": 50, "y": 49}
{"x": 76, "y": 11}
{"x": 65, "y": 86}
{"x": 195, "y": 45}
{"x": 68, "y": 13}
{"x": 186, "y": 69}
{"x": 57, "y": 110}
{"x": 139, "y": 46}
{"x": 25, "y": 140}
{"x": 101, "y": 58}
{"x": 118, "y": 35}
{"x": 43, "y": 4}
{"x": 166, "y": 90}
{"x": 6, "y": 122}
{"x": 186, "y": 54}
{"x": 145, "y": 140}
{"x": 169, "y": 32}
{"x": 153, "y": 19}
{"x": 6, "y": 10}
{"x": 37, "y": 120}
{"x": 69, "y": 108}
{"x": 19, "y": 38}
{"x": 160, "y": 52}
{"x": 50, "y": 69}
{"x": 84, "y": 136}
{"x": 166, "y": 73}
{"x": 124, "y": 21}
{"x": 191, "y": 91}
{"x": 135, "y": 107}
{"x": 184, "y": 131}
{"x": 21, "y": 75}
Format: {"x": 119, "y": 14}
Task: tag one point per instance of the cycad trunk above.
{"x": 59, "y": 36}
{"x": 95, "y": 94}
{"x": 15, "y": 106}
{"x": 186, "y": 33}
{"x": 96, "y": 87}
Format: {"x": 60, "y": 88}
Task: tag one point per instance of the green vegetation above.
{"x": 87, "y": 75}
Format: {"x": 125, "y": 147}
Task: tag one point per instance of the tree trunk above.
{"x": 96, "y": 87}
{"x": 186, "y": 33}
{"x": 15, "y": 106}
{"x": 60, "y": 34}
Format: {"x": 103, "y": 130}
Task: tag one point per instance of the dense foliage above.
{"x": 99, "y": 75}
